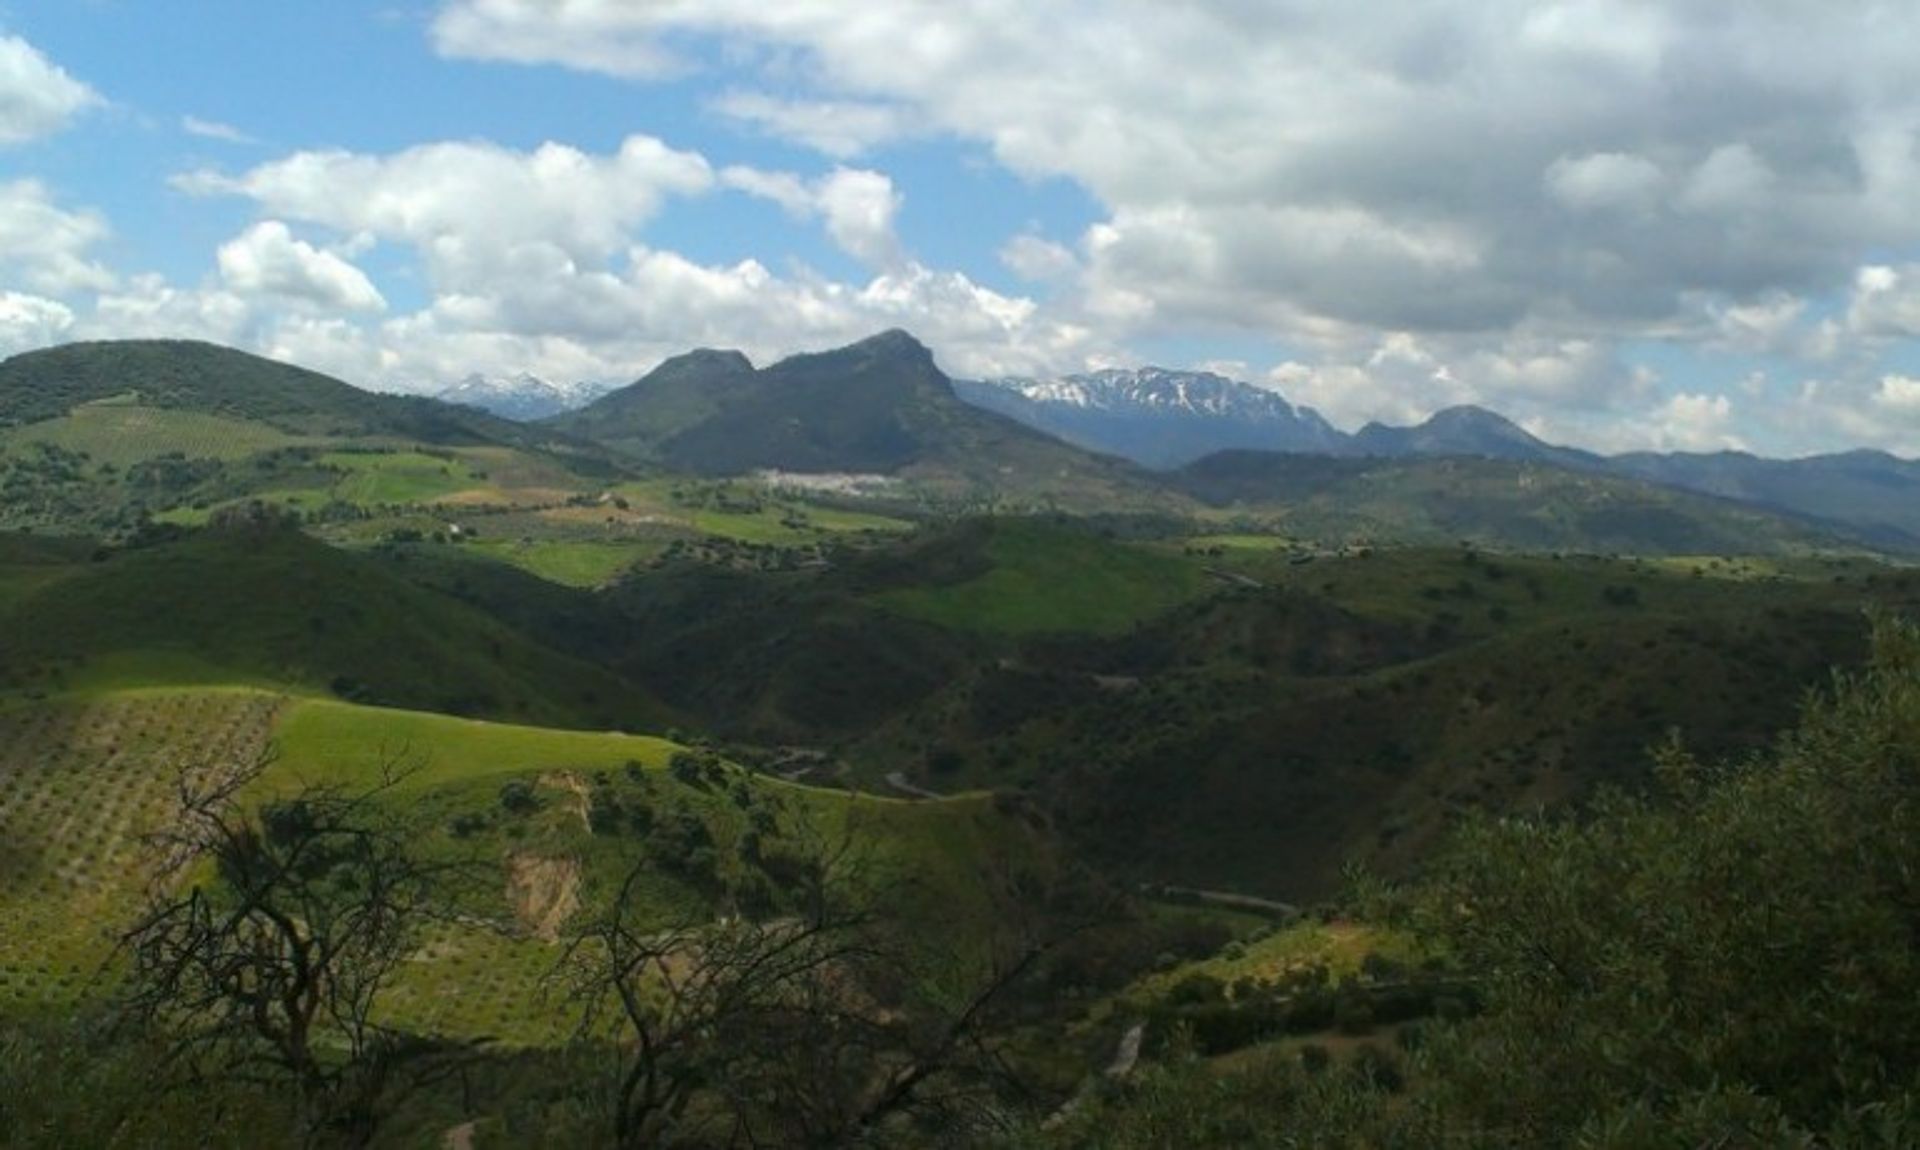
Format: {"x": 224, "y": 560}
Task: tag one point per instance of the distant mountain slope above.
{"x": 1170, "y": 419}
{"x": 1513, "y": 504}
{"x": 1465, "y": 431}
{"x": 522, "y": 398}
{"x": 638, "y": 420}
{"x": 1154, "y": 416}
{"x": 1872, "y": 492}
{"x": 203, "y": 377}
{"x": 880, "y": 406}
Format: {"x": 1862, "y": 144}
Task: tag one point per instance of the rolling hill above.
{"x": 273, "y": 607}
{"x": 1505, "y": 503}
{"x": 182, "y": 375}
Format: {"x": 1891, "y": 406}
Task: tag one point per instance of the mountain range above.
{"x": 1172, "y": 419}
{"x": 882, "y": 409}
{"x": 1155, "y": 417}
{"x": 524, "y": 397}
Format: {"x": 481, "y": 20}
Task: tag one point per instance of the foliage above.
{"x": 1732, "y": 962}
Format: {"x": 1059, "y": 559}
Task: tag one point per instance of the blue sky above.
{"x": 1627, "y": 223}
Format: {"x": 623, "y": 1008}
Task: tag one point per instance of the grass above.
{"x": 746, "y": 513}
{"x": 282, "y": 608}
{"x": 399, "y": 477}
{"x": 1338, "y": 946}
{"x": 342, "y": 743}
{"x": 571, "y": 563}
{"x": 1042, "y": 580}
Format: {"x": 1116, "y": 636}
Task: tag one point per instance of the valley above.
{"x": 998, "y": 753}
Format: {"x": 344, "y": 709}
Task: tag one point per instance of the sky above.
{"x": 1627, "y": 224}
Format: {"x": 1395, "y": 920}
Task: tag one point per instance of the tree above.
{"x": 269, "y": 939}
{"x": 817, "y": 1026}
{"x": 1733, "y": 960}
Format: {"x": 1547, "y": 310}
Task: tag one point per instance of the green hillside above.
{"x": 1020, "y": 577}
{"x": 183, "y": 375}
{"x": 271, "y": 606}
{"x": 86, "y": 777}
{"x": 1343, "y": 709}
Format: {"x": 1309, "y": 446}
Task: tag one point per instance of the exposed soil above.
{"x": 544, "y": 893}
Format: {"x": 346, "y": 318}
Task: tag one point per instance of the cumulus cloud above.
{"x": 148, "y": 307}
{"x": 857, "y": 206}
{"x": 37, "y": 96}
{"x": 267, "y": 259}
{"x": 539, "y": 260}
{"x": 1885, "y": 302}
{"x": 476, "y": 211}
{"x": 28, "y": 321}
{"x": 1691, "y": 422}
{"x": 1592, "y": 163}
{"x": 45, "y": 246}
{"x": 1036, "y": 258}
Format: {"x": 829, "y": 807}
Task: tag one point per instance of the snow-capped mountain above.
{"x": 1155, "y": 416}
{"x": 521, "y": 397}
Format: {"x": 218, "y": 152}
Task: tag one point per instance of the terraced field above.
{"x": 124, "y": 433}
{"x": 82, "y": 781}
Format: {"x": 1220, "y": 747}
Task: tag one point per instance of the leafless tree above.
{"x": 822, "y": 1026}
{"x": 271, "y": 933}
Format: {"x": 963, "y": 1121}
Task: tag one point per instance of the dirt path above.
{"x": 1126, "y": 1055}
{"x": 1226, "y": 899}
{"x": 459, "y": 1138}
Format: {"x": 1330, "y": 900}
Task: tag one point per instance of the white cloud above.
{"x": 1398, "y": 165}
{"x": 590, "y": 36}
{"x": 28, "y": 321}
{"x": 1606, "y": 180}
{"x": 148, "y": 307}
{"x": 267, "y": 259}
{"x": 857, "y": 206}
{"x": 214, "y": 130}
{"x": 37, "y": 96}
{"x": 842, "y": 129}
{"x": 476, "y": 211}
{"x": 1037, "y": 259}
{"x": 44, "y": 246}
{"x": 1900, "y": 395}
{"x": 1693, "y": 422}
{"x": 1885, "y": 303}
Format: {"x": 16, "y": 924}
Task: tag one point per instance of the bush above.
{"x": 519, "y": 797}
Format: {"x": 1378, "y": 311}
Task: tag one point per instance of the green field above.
{"x": 399, "y": 477}
{"x": 570, "y": 563}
